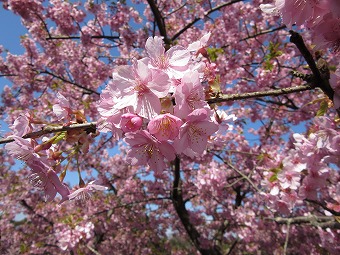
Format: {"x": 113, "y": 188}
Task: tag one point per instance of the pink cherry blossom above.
{"x": 85, "y": 193}
{"x": 335, "y": 84}
{"x": 141, "y": 88}
{"x": 296, "y": 11}
{"x": 174, "y": 61}
{"x": 194, "y": 133}
{"x": 165, "y": 127}
{"x": 327, "y": 32}
{"x": 22, "y": 149}
{"x": 146, "y": 149}
{"x": 63, "y": 108}
{"x": 21, "y": 125}
{"x": 201, "y": 43}
{"x": 189, "y": 95}
{"x": 130, "y": 122}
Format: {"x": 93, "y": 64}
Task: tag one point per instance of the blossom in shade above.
{"x": 335, "y": 84}
{"x": 296, "y": 11}
{"x": 146, "y": 149}
{"x": 85, "y": 193}
{"x": 194, "y": 133}
{"x": 327, "y": 32}
{"x": 21, "y": 125}
{"x": 63, "y": 108}
{"x": 165, "y": 127}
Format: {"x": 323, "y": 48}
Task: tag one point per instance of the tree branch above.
{"x": 159, "y": 21}
{"x": 318, "y": 80}
{"x": 31, "y": 210}
{"x": 190, "y": 24}
{"x": 222, "y": 98}
{"x": 70, "y": 82}
{"x": 108, "y": 37}
{"x": 183, "y": 214}
{"x": 316, "y": 221}
{"x": 256, "y": 94}
{"x": 263, "y": 33}
{"x": 89, "y": 127}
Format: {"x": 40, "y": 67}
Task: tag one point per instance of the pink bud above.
{"x": 130, "y": 122}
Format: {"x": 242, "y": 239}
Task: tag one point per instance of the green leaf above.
{"x": 275, "y": 172}
{"x": 273, "y": 178}
{"x": 323, "y": 108}
{"x": 214, "y": 52}
{"x": 58, "y": 137}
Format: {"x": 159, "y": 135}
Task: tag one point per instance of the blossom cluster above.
{"x": 322, "y": 17}
{"x": 158, "y": 103}
{"x": 305, "y": 171}
{"x": 69, "y": 237}
{"x": 45, "y": 158}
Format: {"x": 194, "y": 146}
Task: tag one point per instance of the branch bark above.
{"x": 88, "y": 127}
{"x": 159, "y": 21}
{"x": 273, "y": 92}
{"x": 318, "y": 80}
{"x": 313, "y": 220}
{"x": 183, "y": 214}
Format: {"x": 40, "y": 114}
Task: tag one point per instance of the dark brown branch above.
{"x": 273, "y": 92}
{"x": 31, "y": 210}
{"x": 88, "y": 127}
{"x": 70, "y": 82}
{"x": 263, "y": 33}
{"x": 318, "y": 80}
{"x": 190, "y": 24}
{"x": 324, "y": 206}
{"x": 159, "y": 21}
{"x": 183, "y": 214}
{"x": 111, "y": 38}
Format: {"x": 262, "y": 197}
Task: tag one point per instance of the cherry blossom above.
{"x": 183, "y": 111}
{"x": 194, "y": 133}
{"x": 165, "y": 127}
{"x": 189, "y": 95}
{"x": 141, "y": 88}
{"x": 85, "y": 193}
{"x": 174, "y": 61}
{"x": 146, "y": 149}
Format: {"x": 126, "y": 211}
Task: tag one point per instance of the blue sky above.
{"x": 10, "y": 32}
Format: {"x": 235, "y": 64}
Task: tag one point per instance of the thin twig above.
{"x": 287, "y": 237}
{"x": 268, "y": 31}
{"x": 190, "y": 24}
{"x": 238, "y": 171}
{"x": 111, "y": 38}
{"x": 93, "y": 250}
{"x": 71, "y": 82}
